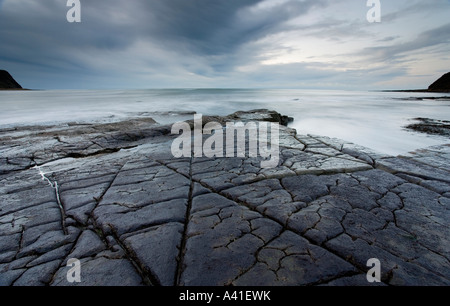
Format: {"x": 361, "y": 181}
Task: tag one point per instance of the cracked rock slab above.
{"x": 290, "y": 260}
{"x": 134, "y": 215}
{"x": 222, "y": 240}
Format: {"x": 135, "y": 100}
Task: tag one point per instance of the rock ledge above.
{"x": 113, "y": 197}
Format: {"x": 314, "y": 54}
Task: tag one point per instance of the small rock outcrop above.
{"x": 442, "y": 84}
{"x": 7, "y": 81}
{"x": 430, "y": 126}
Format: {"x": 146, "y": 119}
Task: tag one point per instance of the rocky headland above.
{"x": 112, "y": 196}
{"x": 441, "y": 85}
{"x": 7, "y": 82}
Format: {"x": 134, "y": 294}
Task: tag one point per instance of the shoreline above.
{"x": 137, "y": 129}
{"x": 138, "y": 125}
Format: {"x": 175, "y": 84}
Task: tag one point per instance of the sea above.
{"x": 372, "y": 119}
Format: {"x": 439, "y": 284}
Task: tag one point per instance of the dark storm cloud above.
{"x": 213, "y": 33}
{"x": 205, "y": 26}
{"x": 189, "y": 43}
{"x": 218, "y": 27}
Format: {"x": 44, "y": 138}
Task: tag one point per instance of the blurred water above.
{"x": 372, "y": 119}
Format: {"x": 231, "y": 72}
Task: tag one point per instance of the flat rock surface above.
{"x": 113, "y": 197}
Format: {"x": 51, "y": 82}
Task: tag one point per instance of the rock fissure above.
{"x": 55, "y": 186}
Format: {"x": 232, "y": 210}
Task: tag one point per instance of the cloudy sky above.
{"x": 325, "y": 44}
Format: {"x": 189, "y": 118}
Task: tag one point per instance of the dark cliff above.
{"x": 7, "y": 81}
{"x": 442, "y": 84}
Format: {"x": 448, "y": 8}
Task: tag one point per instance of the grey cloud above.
{"x": 218, "y": 27}
{"x": 37, "y": 32}
{"x": 388, "y": 38}
{"x": 416, "y": 7}
{"x": 425, "y": 39}
{"x": 176, "y": 43}
{"x": 315, "y": 75}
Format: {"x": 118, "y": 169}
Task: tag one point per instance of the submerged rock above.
{"x": 431, "y": 126}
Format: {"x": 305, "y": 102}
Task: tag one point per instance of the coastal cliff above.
{"x": 442, "y": 84}
{"x": 7, "y": 81}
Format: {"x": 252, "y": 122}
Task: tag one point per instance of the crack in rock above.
{"x": 55, "y": 186}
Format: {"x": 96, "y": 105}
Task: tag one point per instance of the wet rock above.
{"x": 113, "y": 196}
{"x": 157, "y": 249}
{"x": 430, "y": 126}
{"x": 101, "y": 271}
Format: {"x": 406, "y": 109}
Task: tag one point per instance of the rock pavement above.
{"x": 112, "y": 196}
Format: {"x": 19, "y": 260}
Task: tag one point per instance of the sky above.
{"x": 305, "y": 44}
